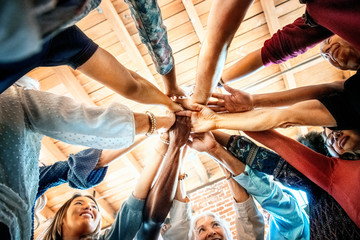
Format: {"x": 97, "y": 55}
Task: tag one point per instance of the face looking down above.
{"x": 340, "y": 53}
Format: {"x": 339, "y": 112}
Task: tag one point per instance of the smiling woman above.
{"x": 209, "y": 225}
{"x": 78, "y": 217}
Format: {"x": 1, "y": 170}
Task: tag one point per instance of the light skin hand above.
{"x": 237, "y": 101}
{"x": 202, "y": 118}
{"x": 202, "y": 142}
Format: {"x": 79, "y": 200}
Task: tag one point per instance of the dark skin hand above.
{"x": 159, "y": 200}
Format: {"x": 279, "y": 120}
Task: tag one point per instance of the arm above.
{"x": 180, "y": 215}
{"x": 245, "y": 66}
{"x": 64, "y": 119}
{"x": 263, "y": 160}
{"x": 159, "y": 200}
{"x": 223, "y": 21}
{"x": 124, "y": 81}
{"x": 79, "y": 171}
{"x": 108, "y": 156}
{"x": 299, "y": 156}
{"x": 290, "y": 221}
{"x": 306, "y": 113}
{"x": 239, "y": 101}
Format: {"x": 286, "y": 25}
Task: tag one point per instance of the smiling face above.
{"x": 82, "y": 217}
{"x": 207, "y": 228}
{"x": 344, "y": 141}
{"x": 340, "y": 53}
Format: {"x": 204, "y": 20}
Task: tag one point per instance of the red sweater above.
{"x": 339, "y": 177}
{"x": 341, "y": 17}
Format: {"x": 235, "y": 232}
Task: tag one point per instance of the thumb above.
{"x": 229, "y": 89}
{"x": 197, "y": 107}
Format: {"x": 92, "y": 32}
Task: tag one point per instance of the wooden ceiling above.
{"x": 112, "y": 27}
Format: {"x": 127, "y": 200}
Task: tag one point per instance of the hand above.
{"x": 180, "y": 131}
{"x": 164, "y": 123}
{"x": 202, "y": 119}
{"x": 174, "y": 107}
{"x": 237, "y": 101}
{"x": 202, "y": 142}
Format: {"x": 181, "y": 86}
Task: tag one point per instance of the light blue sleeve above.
{"x": 128, "y": 220}
{"x": 289, "y": 221}
{"x": 72, "y": 122}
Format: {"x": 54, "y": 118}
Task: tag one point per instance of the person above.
{"x": 327, "y": 218}
{"x": 27, "y": 115}
{"x": 139, "y": 218}
{"x": 82, "y": 170}
{"x": 209, "y": 225}
{"x": 305, "y": 32}
{"x": 152, "y": 31}
{"x": 72, "y": 47}
{"x": 288, "y": 220}
{"x": 249, "y": 221}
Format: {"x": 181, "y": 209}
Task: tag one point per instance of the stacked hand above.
{"x": 237, "y": 101}
{"x": 180, "y": 131}
{"x": 202, "y": 118}
{"x": 202, "y": 142}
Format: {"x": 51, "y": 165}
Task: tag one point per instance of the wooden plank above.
{"x": 199, "y": 167}
{"x": 274, "y": 25}
{"x": 73, "y": 85}
{"x": 125, "y": 38}
{"x": 194, "y": 19}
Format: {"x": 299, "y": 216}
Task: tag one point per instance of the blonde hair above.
{"x": 223, "y": 224}
{"x": 54, "y": 232}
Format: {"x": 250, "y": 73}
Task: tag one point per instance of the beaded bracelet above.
{"x": 152, "y": 123}
{"x": 164, "y": 141}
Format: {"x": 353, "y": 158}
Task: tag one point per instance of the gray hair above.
{"x": 223, "y": 224}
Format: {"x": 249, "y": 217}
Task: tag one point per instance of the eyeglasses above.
{"x": 332, "y": 137}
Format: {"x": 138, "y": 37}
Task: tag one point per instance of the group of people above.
{"x": 42, "y": 33}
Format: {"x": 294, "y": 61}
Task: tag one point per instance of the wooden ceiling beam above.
{"x": 274, "y": 25}
{"x": 198, "y": 166}
{"x": 73, "y": 85}
{"x": 131, "y": 161}
{"x": 55, "y": 154}
{"x": 194, "y": 19}
{"x": 125, "y": 39}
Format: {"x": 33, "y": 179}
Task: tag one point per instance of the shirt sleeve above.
{"x": 64, "y": 119}
{"x": 345, "y": 106}
{"x": 289, "y": 220}
{"x": 180, "y": 218}
{"x": 267, "y": 161}
{"x": 79, "y": 171}
{"x": 249, "y": 221}
{"x": 292, "y": 40}
{"x": 128, "y": 220}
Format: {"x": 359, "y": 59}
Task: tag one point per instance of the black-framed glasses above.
{"x": 331, "y": 138}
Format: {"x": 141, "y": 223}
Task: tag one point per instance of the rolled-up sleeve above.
{"x": 64, "y": 119}
{"x": 180, "y": 218}
{"x": 249, "y": 221}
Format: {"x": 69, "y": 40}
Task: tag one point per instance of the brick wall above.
{"x": 215, "y": 198}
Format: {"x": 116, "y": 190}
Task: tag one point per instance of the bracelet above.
{"x": 220, "y": 83}
{"x": 164, "y": 141}
{"x": 230, "y": 176}
{"x": 152, "y": 123}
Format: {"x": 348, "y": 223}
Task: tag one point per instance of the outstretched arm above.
{"x": 305, "y": 113}
{"x": 240, "y": 101}
{"x": 124, "y": 81}
{"x": 159, "y": 200}
{"x": 224, "y": 19}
